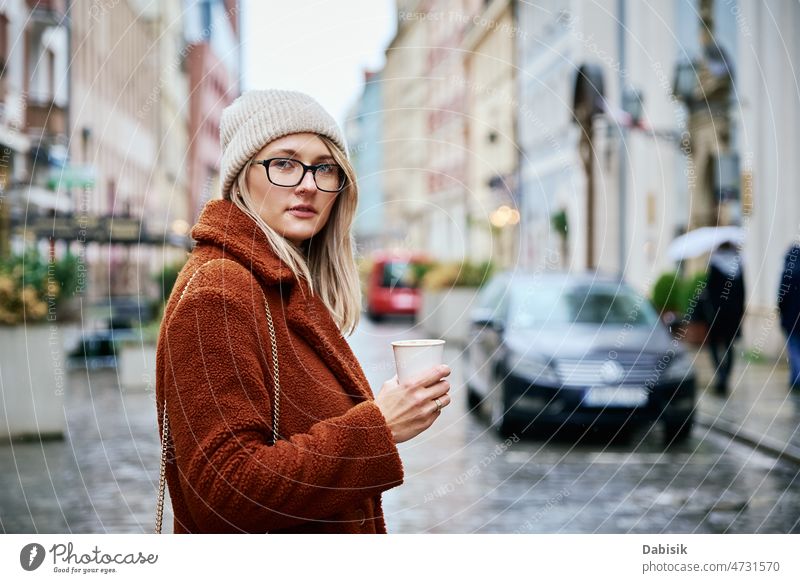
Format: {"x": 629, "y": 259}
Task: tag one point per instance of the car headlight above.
{"x": 533, "y": 368}
{"x": 678, "y": 369}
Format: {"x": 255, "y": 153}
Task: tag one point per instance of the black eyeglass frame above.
{"x": 306, "y": 167}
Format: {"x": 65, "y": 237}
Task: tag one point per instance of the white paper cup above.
{"x": 413, "y": 357}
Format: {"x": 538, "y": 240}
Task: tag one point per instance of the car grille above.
{"x": 638, "y": 369}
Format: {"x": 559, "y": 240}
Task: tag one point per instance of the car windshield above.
{"x": 580, "y": 304}
{"x": 399, "y": 274}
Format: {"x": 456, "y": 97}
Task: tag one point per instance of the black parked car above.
{"x": 549, "y": 350}
{"x": 99, "y": 348}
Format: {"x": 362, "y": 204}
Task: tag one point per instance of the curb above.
{"x": 763, "y": 443}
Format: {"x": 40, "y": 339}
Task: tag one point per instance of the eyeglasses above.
{"x": 289, "y": 172}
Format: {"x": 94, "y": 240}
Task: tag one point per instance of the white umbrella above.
{"x": 703, "y": 240}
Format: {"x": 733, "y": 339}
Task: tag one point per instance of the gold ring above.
{"x": 438, "y": 405}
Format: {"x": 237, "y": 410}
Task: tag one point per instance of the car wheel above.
{"x": 499, "y": 412}
{"x": 373, "y": 317}
{"x": 678, "y": 431}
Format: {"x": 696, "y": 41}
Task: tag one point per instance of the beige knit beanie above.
{"x": 258, "y": 117}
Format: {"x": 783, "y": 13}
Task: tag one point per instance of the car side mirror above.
{"x": 485, "y": 318}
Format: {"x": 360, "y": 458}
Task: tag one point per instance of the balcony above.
{"x": 46, "y": 13}
{"x": 42, "y": 116}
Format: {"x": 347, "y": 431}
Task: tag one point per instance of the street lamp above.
{"x": 588, "y": 102}
{"x": 685, "y": 84}
{"x": 504, "y": 216}
{"x": 633, "y": 104}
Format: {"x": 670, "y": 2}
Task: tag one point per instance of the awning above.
{"x": 47, "y": 199}
{"x": 71, "y": 177}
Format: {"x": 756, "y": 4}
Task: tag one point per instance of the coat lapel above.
{"x": 222, "y": 224}
{"x": 309, "y": 317}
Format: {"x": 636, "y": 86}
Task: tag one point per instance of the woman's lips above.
{"x": 302, "y": 213}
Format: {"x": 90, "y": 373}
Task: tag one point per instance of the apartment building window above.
{"x": 112, "y": 197}
{"x": 51, "y": 74}
{"x": 3, "y": 42}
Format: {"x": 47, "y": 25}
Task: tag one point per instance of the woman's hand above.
{"x": 411, "y": 407}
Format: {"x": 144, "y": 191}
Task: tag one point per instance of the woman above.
{"x": 282, "y": 231}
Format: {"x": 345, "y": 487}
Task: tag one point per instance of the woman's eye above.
{"x": 329, "y": 169}
{"x": 283, "y": 164}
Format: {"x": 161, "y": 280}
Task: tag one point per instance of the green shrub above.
{"x": 666, "y": 292}
{"x": 675, "y": 294}
{"x": 446, "y": 275}
{"x": 420, "y": 270}
{"x": 474, "y": 274}
{"x": 560, "y": 222}
{"x": 691, "y": 290}
{"x": 167, "y": 278}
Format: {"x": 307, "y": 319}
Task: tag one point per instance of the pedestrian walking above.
{"x": 789, "y": 307}
{"x": 270, "y": 424}
{"x": 723, "y": 308}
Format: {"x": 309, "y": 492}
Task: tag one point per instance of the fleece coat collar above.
{"x": 224, "y": 225}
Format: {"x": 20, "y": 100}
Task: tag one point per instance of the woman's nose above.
{"x": 308, "y": 183}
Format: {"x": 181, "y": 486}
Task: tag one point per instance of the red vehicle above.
{"x": 393, "y": 286}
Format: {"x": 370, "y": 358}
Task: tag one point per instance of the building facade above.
{"x": 695, "y": 126}
{"x": 114, "y": 135}
{"x": 365, "y": 137}
{"x": 768, "y": 111}
{"x": 491, "y": 109}
{"x": 34, "y": 94}
{"x": 405, "y": 145}
{"x": 171, "y": 221}
{"x": 447, "y": 97}
{"x": 213, "y": 63}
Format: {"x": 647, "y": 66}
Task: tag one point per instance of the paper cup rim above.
{"x": 428, "y": 341}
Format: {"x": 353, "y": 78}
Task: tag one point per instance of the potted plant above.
{"x": 32, "y": 363}
{"x": 691, "y": 303}
{"x": 449, "y": 290}
{"x": 680, "y": 303}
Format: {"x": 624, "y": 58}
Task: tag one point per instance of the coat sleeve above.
{"x": 220, "y": 415}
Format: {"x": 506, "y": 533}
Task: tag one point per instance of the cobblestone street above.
{"x": 460, "y": 477}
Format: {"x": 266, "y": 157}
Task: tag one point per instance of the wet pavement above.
{"x": 759, "y": 408}
{"x": 101, "y": 478}
{"x": 460, "y": 476}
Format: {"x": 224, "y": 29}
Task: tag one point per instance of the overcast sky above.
{"x": 320, "y": 47}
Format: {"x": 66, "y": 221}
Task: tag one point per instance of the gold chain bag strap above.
{"x": 162, "y": 482}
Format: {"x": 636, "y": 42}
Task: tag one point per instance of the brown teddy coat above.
{"x": 335, "y": 454}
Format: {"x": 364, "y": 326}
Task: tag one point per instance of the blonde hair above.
{"x": 328, "y": 265}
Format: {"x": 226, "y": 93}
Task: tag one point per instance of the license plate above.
{"x": 615, "y": 397}
{"x": 404, "y": 301}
